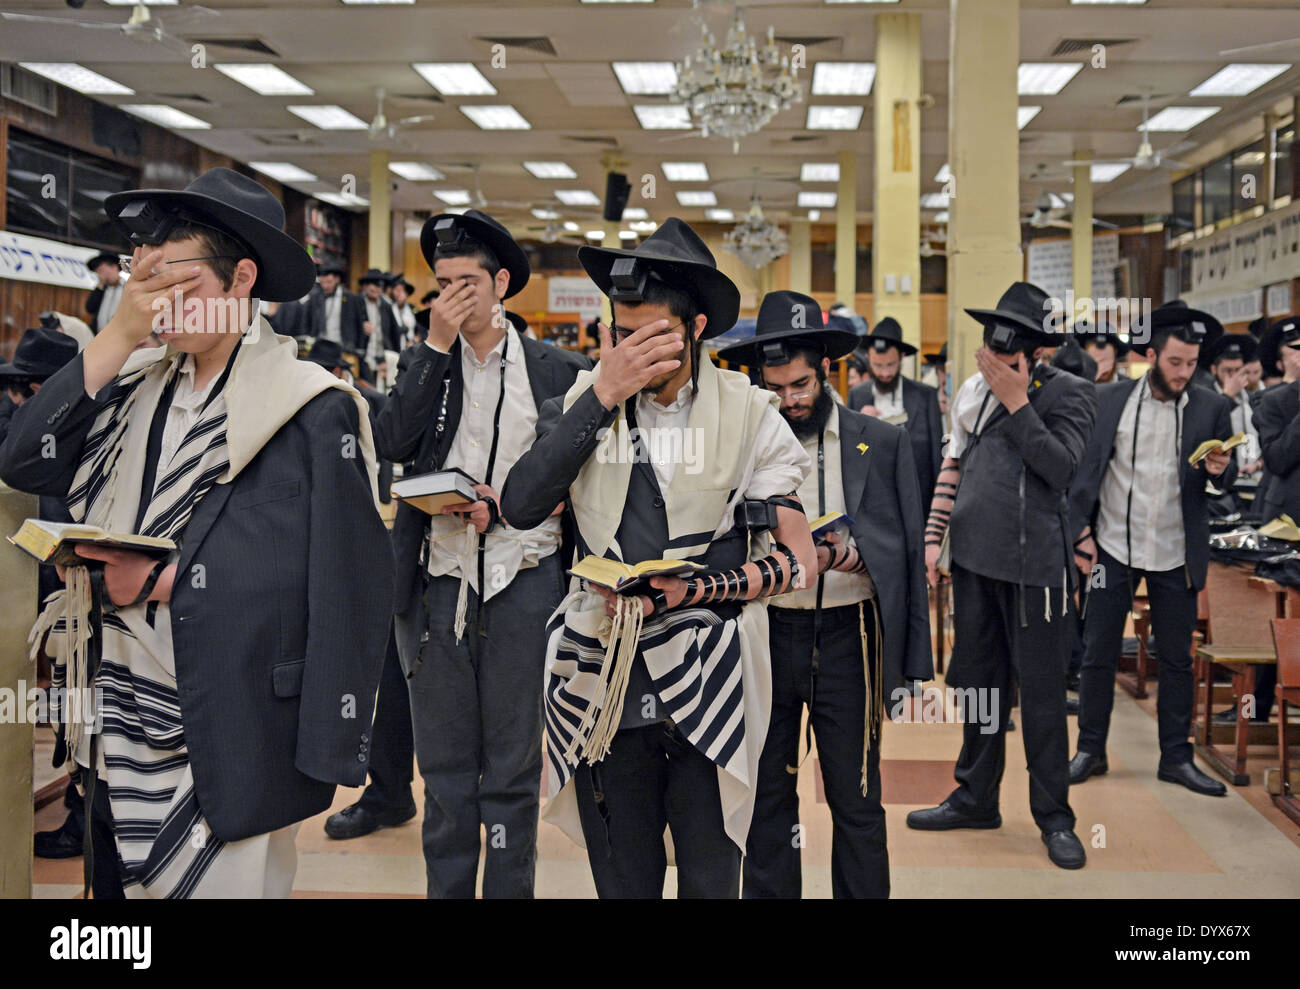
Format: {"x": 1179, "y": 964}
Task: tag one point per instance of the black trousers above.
{"x": 106, "y": 879}
{"x": 991, "y": 650}
{"x": 1173, "y": 619}
{"x": 392, "y": 754}
{"x": 476, "y": 708}
{"x": 654, "y": 778}
{"x": 837, "y": 708}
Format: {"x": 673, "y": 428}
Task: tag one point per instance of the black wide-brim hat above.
{"x": 885, "y": 334}
{"x": 1270, "y": 355}
{"x": 331, "y": 268}
{"x": 1188, "y": 324}
{"x": 1070, "y": 356}
{"x": 1231, "y": 346}
{"x": 795, "y": 319}
{"x": 327, "y": 353}
{"x": 676, "y": 254}
{"x": 1100, "y": 333}
{"x": 518, "y": 322}
{"x": 400, "y": 279}
{"x": 939, "y": 359}
{"x": 422, "y": 319}
{"x": 39, "y": 354}
{"x": 489, "y": 232}
{"x": 1024, "y": 306}
{"x": 103, "y": 257}
{"x": 375, "y": 276}
{"x": 245, "y": 209}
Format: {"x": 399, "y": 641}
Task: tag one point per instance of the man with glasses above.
{"x": 842, "y": 646}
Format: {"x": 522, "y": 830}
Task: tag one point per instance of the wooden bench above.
{"x": 1286, "y": 637}
{"x": 1239, "y": 641}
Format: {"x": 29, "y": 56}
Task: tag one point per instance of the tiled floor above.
{"x": 1144, "y": 838}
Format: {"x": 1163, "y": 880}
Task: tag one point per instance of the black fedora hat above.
{"x": 234, "y": 204}
{"x": 1230, "y": 346}
{"x": 400, "y": 279}
{"x": 1100, "y": 333}
{"x": 422, "y": 319}
{"x": 103, "y": 257}
{"x": 327, "y": 353}
{"x": 1284, "y": 332}
{"x": 1070, "y": 356}
{"x": 787, "y": 319}
{"x": 1187, "y": 324}
{"x": 885, "y": 334}
{"x": 1023, "y": 306}
{"x": 481, "y": 227}
{"x": 331, "y": 268}
{"x": 39, "y": 354}
{"x": 677, "y": 256}
{"x": 373, "y": 276}
{"x": 939, "y": 358}
{"x": 518, "y": 322}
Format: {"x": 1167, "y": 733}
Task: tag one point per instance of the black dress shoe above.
{"x": 1229, "y": 717}
{"x": 1085, "y": 764}
{"x": 58, "y": 844}
{"x": 1186, "y": 774}
{"x": 947, "y": 818}
{"x": 1064, "y": 849}
{"x": 355, "y": 821}
{"x": 1072, "y": 705}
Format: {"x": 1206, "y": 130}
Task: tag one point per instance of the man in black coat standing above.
{"x": 106, "y": 296}
{"x": 901, "y": 401}
{"x": 1019, "y": 435}
{"x": 843, "y": 646}
{"x": 1139, "y": 511}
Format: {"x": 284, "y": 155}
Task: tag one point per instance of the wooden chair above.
{"x": 1286, "y": 636}
{"x": 1238, "y": 640}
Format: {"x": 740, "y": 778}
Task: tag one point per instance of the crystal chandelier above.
{"x": 736, "y": 90}
{"x": 756, "y": 241}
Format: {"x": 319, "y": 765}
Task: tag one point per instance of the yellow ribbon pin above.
{"x": 862, "y": 448}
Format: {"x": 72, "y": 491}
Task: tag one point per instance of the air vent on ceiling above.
{"x": 418, "y": 97}
{"x": 29, "y": 89}
{"x": 284, "y": 139}
{"x": 1072, "y": 46}
{"x": 243, "y": 44}
{"x": 542, "y": 45}
{"x": 1137, "y": 98}
{"x": 833, "y": 43}
{"x": 589, "y": 139}
{"x": 183, "y": 97}
{"x": 800, "y": 139}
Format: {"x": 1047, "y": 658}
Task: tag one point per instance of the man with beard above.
{"x": 842, "y": 646}
{"x": 901, "y": 401}
{"x": 657, "y": 720}
{"x": 1147, "y": 507}
{"x": 1019, "y": 433}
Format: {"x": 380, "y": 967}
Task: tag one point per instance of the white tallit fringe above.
{"x": 624, "y": 635}
{"x": 466, "y": 561}
{"x": 875, "y": 712}
{"x": 69, "y": 603}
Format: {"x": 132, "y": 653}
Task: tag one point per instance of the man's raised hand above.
{"x": 645, "y": 355}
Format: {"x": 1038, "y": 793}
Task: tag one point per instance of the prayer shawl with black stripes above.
{"x": 712, "y": 675}
{"x": 165, "y": 845}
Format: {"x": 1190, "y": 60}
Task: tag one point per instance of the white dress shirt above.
{"x": 375, "y": 343}
{"x": 108, "y": 303}
{"x": 334, "y": 316}
{"x": 187, "y": 403}
{"x": 406, "y": 320}
{"x": 838, "y": 588}
{"x": 1159, "y": 542}
{"x": 889, "y": 404}
{"x": 965, "y": 409}
{"x": 1242, "y": 419}
{"x": 508, "y": 550}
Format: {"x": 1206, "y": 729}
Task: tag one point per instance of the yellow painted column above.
{"x": 18, "y": 609}
{"x": 846, "y": 230}
{"x": 801, "y": 256}
{"x": 896, "y": 203}
{"x": 1081, "y": 238}
{"x": 983, "y": 153}
{"x": 381, "y": 218}
{"x": 611, "y": 234}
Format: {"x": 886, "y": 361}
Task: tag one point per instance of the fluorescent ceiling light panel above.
{"x": 828, "y": 171}
{"x": 943, "y": 174}
{"x": 1106, "y": 172}
{"x": 821, "y": 200}
{"x": 550, "y": 170}
{"x": 627, "y": 235}
{"x": 934, "y": 200}
{"x": 340, "y": 200}
{"x": 697, "y": 197}
{"x": 503, "y": 117}
{"x": 1239, "y": 78}
{"x": 1180, "y": 118}
{"x": 941, "y": 216}
{"x": 570, "y": 226}
{"x": 78, "y": 77}
{"x": 453, "y": 197}
{"x": 545, "y": 214}
{"x": 640, "y": 226}
{"x": 328, "y": 117}
{"x": 646, "y": 78}
{"x": 671, "y": 117}
{"x": 843, "y": 78}
{"x": 685, "y": 171}
{"x": 455, "y": 78}
{"x": 577, "y": 197}
{"x": 635, "y": 213}
{"x": 720, "y": 215}
{"x": 814, "y": 215}
{"x": 1087, "y": 3}
{"x": 165, "y": 116}
{"x": 283, "y": 171}
{"x": 267, "y": 80}
{"x": 147, "y": 3}
{"x": 415, "y": 171}
{"x": 1024, "y": 114}
{"x": 595, "y": 235}
{"x": 1045, "y": 78}
{"x": 833, "y": 117}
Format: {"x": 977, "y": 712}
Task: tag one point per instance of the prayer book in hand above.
{"x": 55, "y": 543}
{"x": 434, "y": 491}
{"x": 1215, "y": 446}
{"x": 625, "y": 579}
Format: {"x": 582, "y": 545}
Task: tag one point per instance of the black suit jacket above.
{"x": 924, "y": 425}
{"x": 279, "y": 646}
{"x": 1277, "y": 418}
{"x": 406, "y": 433}
{"x": 1205, "y": 416}
{"x": 889, "y": 530}
{"x": 351, "y": 316}
{"x": 387, "y": 324}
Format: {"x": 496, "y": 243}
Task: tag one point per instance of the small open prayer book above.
{"x": 828, "y": 523}
{"x": 626, "y": 579}
{"x": 56, "y": 542}
{"x": 434, "y": 491}
{"x": 1211, "y": 446}
{"x": 1282, "y": 527}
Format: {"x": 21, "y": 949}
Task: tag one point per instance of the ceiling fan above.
{"x": 1265, "y": 46}
{"x": 1050, "y": 210}
{"x": 478, "y": 200}
{"x": 381, "y": 128}
{"x": 553, "y": 232}
{"x": 1147, "y": 157}
{"x": 141, "y": 24}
